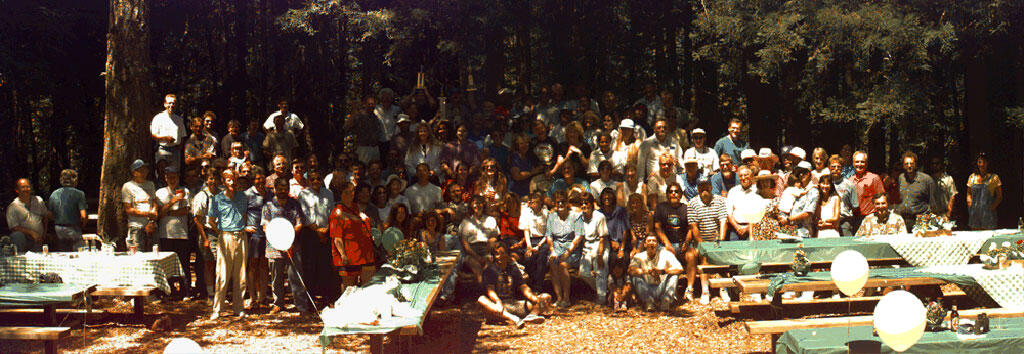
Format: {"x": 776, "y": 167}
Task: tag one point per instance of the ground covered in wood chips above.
{"x": 451, "y": 328}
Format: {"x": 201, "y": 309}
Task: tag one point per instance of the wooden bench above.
{"x": 139, "y": 294}
{"x": 741, "y": 306}
{"x": 775, "y": 328}
{"x": 757, "y": 286}
{"x": 49, "y": 335}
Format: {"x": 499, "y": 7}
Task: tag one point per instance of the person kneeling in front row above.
{"x": 502, "y": 279}
{"x": 654, "y": 274}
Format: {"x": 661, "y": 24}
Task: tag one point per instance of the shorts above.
{"x": 516, "y": 307}
{"x": 170, "y": 153}
{"x": 481, "y": 249}
{"x": 208, "y": 252}
{"x": 560, "y": 247}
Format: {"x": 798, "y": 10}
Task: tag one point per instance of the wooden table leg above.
{"x": 50, "y": 314}
{"x": 376, "y": 343}
{"x": 51, "y": 346}
{"x": 140, "y": 305}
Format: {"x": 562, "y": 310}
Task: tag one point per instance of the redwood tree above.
{"x": 129, "y": 108}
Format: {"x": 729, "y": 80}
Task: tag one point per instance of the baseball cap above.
{"x": 627, "y": 123}
{"x": 805, "y": 165}
{"x": 403, "y": 118}
{"x": 170, "y": 169}
{"x": 747, "y": 154}
{"x": 764, "y": 153}
{"x": 798, "y": 152}
{"x": 138, "y": 164}
{"x": 696, "y": 131}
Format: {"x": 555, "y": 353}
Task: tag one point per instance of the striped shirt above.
{"x": 707, "y": 217}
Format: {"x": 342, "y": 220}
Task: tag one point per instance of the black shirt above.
{"x": 506, "y": 281}
{"x": 673, "y": 221}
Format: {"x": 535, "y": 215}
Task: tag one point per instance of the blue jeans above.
{"x": 662, "y": 294}
{"x": 278, "y": 273}
{"x": 69, "y": 238}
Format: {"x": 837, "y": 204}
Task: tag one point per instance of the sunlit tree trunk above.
{"x": 129, "y": 108}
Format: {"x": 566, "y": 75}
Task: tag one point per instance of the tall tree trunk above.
{"x": 129, "y": 106}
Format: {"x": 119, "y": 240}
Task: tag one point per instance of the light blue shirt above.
{"x": 229, "y": 212}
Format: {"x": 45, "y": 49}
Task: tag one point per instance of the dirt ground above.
{"x": 456, "y": 327}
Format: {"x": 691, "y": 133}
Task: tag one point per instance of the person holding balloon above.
{"x": 282, "y": 206}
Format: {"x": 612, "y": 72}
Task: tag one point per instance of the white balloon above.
{"x": 900, "y": 319}
{"x": 182, "y": 346}
{"x": 850, "y": 272}
{"x": 280, "y": 233}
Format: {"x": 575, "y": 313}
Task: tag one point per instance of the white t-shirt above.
{"x": 141, "y": 197}
{"x": 594, "y": 230}
{"x": 598, "y": 186}
{"x": 423, "y": 198}
{"x": 172, "y": 227}
{"x": 291, "y": 122}
{"x": 616, "y": 158}
{"x": 533, "y": 223}
{"x": 171, "y": 125}
{"x": 29, "y": 217}
{"x": 473, "y": 230}
{"x": 388, "y": 118}
{"x": 707, "y": 159}
{"x": 663, "y": 259}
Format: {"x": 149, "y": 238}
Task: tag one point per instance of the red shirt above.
{"x": 353, "y": 228}
{"x": 867, "y": 187}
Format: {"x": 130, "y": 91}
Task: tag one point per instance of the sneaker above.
{"x": 562, "y": 304}
{"x": 649, "y": 307}
{"x": 520, "y": 323}
{"x": 705, "y": 299}
{"x": 724, "y": 294}
{"x": 688, "y": 294}
{"x": 531, "y": 318}
{"x": 243, "y": 314}
{"x": 214, "y": 316}
{"x": 274, "y": 310}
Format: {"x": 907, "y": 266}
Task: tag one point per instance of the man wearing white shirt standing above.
{"x": 707, "y": 158}
{"x": 387, "y": 112}
{"x": 655, "y": 146}
{"x": 291, "y": 121}
{"x": 741, "y": 204}
{"x": 172, "y": 228}
{"x": 423, "y": 196}
{"x": 168, "y": 130}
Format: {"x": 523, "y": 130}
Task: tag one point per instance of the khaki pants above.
{"x": 232, "y": 251}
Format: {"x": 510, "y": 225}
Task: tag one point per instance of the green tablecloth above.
{"x": 420, "y": 292}
{"x": 743, "y": 253}
{"x": 778, "y": 280}
{"x": 747, "y": 255}
{"x": 23, "y": 294}
{"x": 1006, "y": 336}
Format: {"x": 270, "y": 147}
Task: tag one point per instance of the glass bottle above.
{"x": 954, "y": 319}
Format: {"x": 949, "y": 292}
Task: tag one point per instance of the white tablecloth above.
{"x": 940, "y": 250}
{"x": 1005, "y": 286}
{"x": 141, "y": 269}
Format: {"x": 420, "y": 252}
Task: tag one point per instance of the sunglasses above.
{"x": 674, "y": 191}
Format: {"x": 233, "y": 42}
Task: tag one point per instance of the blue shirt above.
{"x": 562, "y": 185}
{"x": 66, "y": 203}
{"x": 725, "y": 145}
{"x": 229, "y": 212}
{"x": 564, "y": 230}
{"x": 721, "y": 184}
{"x": 618, "y": 224}
{"x": 690, "y": 187}
{"x": 254, "y": 211}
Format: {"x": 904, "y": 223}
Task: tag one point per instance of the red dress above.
{"x": 353, "y": 229}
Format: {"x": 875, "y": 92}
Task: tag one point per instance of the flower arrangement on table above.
{"x": 801, "y": 265}
{"x": 410, "y": 259}
{"x": 930, "y": 225}
{"x": 1000, "y": 257}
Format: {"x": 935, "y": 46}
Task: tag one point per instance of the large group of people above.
{"x": 532, "y": 190}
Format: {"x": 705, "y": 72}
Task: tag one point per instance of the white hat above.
{"x": 696, "y": 131}
{"x": 798, "y": 152}
{"x": 747, "y": 154}
{"x": 805, "y": 165}
{"x": 627, "y": 123}
{"x": 764, "y": 153}
{"x": 403, "y": 118}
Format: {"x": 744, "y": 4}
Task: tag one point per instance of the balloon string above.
{"x": 303, "y": 282}
{"x": 849, "y": 323}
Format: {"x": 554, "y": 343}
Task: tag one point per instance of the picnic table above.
{"x": 423, "y": 295}
{"x": 1006, "y": 336}
{"x": 748, "y": 256}
{"x": 47, "y": 297}
{"x": 94, "y": 268}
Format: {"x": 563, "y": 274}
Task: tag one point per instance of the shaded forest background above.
{"x": 942, "y": 78}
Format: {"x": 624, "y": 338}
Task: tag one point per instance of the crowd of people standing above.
{"x": 532, "y": 190}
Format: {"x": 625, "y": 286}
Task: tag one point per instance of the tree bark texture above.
{"x": 129, "y": 108}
